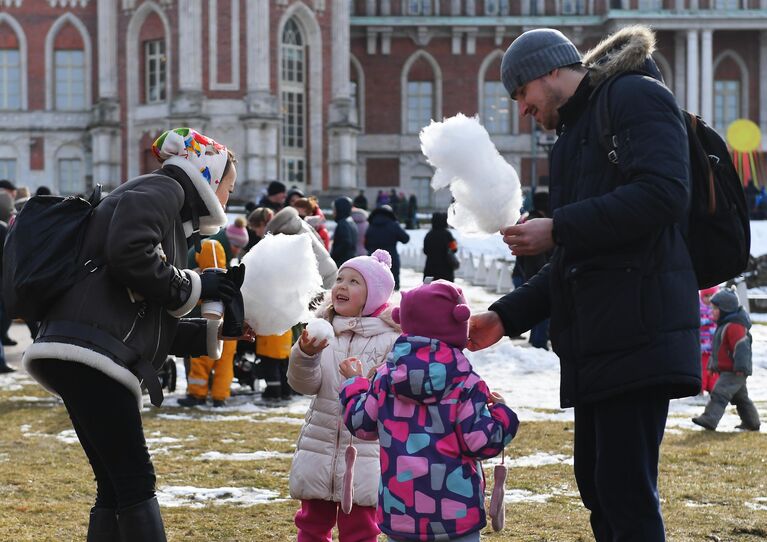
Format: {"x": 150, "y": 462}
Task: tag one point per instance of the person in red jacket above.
{"x": 731, "y": 358}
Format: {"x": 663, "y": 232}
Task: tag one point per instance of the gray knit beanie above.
{"x": 534, "y": 54}
{"x": 726, "y": 300}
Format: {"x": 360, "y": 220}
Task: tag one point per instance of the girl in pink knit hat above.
{"x": 362, "y": 329}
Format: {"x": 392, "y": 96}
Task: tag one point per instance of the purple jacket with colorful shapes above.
{"x": 429, "y": 410}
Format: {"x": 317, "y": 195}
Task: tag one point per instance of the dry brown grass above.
{"x": 46, "y": 485}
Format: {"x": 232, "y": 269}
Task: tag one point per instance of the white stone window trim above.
{"x": 68, "y": 3}
{"x": 360, "y": 72}
{"x": 436, "y": 71}
{"x": 22, "y": 39}
{"x": 481, "y": 76}
{"x": 153, "y": 68}
{"x": 50, "y": 40}
{"x": 312, "y": 34}
{"x": 9, "y": 152}
{"x": 234, "y": 83}
{"x": 133, "y": 158}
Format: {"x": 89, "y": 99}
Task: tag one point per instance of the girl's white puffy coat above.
{"x": 318, "y": 465}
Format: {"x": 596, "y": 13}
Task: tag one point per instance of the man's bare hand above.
{"x": 485, "y": 329}
{"x": 530, "y": 238}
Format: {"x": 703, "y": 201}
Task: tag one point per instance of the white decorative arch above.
{"x": 744, "y": 83}
{"x": 403, "y": 85}
{"x": 133, "y": 58}
{"x": 665, "y": 69}
{"x": 360, "y": 91}
{"x": 50, "y": 40}
{"x": 483, "y": 67}
{"x": 311, "y": 31}
{"x": 22, "y": 39}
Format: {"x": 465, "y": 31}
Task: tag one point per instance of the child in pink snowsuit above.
{"x": 435, "y": 420}
{"x": 707, "y": 328}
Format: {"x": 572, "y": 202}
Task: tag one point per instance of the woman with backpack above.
{"x": 104, "y": 337}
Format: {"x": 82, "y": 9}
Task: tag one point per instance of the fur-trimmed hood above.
{"x": 628, "y": 49}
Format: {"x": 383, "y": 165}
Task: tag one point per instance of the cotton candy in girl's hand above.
{"x": 485, "y": 187}
{"x": 319, "y": 330}
{"x": 281, "y": 279}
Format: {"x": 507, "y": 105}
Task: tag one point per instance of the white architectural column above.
{"x": 189, "y": 34}
{"x": 257, "y": 13}
{"x": 105, "y": 129}
{"x": 107, "y": 48}
{"x": 706, "y": 75}
{"x": 342, "y": 117}
{"x": 262, "y": 121}
{"x": 693, "y": 79}
{"x": 763, "y": 86}
{"x": 680, "y": 88}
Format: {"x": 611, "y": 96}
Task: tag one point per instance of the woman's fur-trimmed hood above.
{"x": 628, "y": 49}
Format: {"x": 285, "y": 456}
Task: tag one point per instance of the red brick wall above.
{"x": 37, "y": 153}
{"x": 382, "y": 172}
{"x": 8, "y": 39}
{"x": 68, "y": 37}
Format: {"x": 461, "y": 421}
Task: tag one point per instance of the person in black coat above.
{"x": 108, "y": 334}
{"x": 436, "y": 245}
{"x": 360, "y": 201}
{"x": 384, "y": 232}
{"x": 344, "y": 245}
{"x": 620, "y": 287}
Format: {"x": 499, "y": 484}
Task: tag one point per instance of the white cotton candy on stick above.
{"x": 281, "y": 279}
{"x": 319, "y": 330}
{"x": 485, "y": 187}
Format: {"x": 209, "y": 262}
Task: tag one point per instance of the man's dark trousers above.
{"x": 617, "y": 444}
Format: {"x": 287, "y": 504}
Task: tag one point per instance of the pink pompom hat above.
{"x": 436, "y": 310}
{"x": 376, "y": 270}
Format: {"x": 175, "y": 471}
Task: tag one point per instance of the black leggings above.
{"x": 107, "y": 421}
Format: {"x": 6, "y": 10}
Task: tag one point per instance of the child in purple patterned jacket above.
{"x": 435, "y": 419}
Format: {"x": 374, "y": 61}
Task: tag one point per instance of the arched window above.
{"x": 730, "y": 90}
{"x": 69, "y": 73}
{"x": 155, "y": 60}
{"x": 495, "y": 107}
{"x": 293, "y": 103}
{"x": 70, "y": 173}
{"x": 10, "y": 69}
{"x": 421, "y": 96}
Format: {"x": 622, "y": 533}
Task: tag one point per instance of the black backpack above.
{"x": 718, "y": 231}
{"x": 42, "y": 253}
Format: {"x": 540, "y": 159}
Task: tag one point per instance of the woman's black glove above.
{"x": 234, "y": 309}
{"x": 217, "y": 285}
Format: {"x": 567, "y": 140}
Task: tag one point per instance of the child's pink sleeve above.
{"x": 484, "y": 431}
{"x": 359, "y": 402}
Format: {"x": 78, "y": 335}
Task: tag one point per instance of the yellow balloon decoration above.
{"x": 743, "y": 135}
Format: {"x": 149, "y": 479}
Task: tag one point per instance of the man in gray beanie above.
{"x": 619, "y": 289}
{"x": 731, "y": 358}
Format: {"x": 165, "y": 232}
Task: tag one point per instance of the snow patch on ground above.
{"x": 523, "y": 495}
{"x": 197, "y": 497}
{"x": 759, "y": 503}
{"x": 243, "y": 456}
{"x": 540, "y": 459}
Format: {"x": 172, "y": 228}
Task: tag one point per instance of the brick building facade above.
{"x": 328, "y": 95}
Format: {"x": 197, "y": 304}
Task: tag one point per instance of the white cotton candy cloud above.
{"x": 281, "y": 278}
{"x": 485, "y": 187}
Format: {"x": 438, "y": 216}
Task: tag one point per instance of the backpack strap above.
{"x": 607, "y": 137}
{"x": 694, "y": 141}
